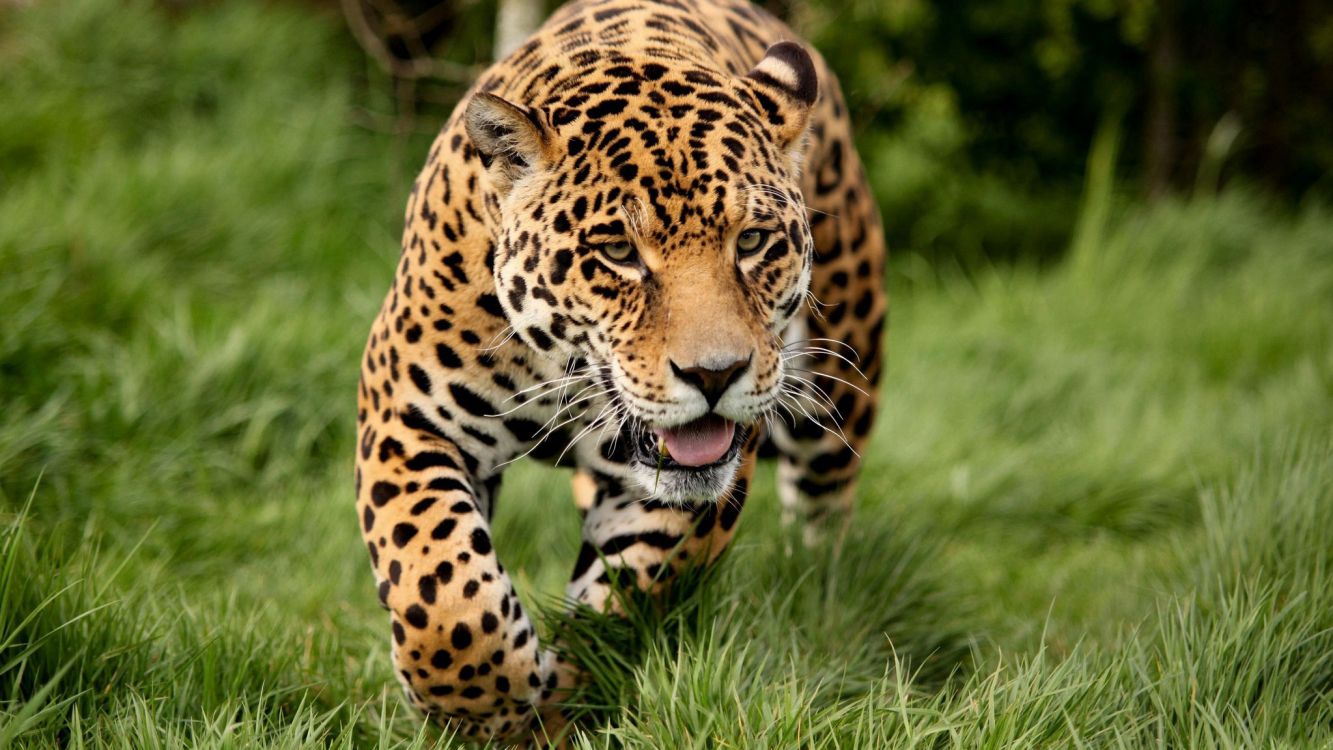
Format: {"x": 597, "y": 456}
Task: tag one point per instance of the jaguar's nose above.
{"x": 712, "y": 382}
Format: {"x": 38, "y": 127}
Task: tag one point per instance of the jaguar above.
{"x": 643, "y": 246}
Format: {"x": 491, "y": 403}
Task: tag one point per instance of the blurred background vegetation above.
{"x": 978, "y": 137}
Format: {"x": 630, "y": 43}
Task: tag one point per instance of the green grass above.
{"x": 1096, "y": 513}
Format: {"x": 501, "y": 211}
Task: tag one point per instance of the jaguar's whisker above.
{"x": 851, "y": 385}
{"x": 538, "y": 442}
{"x": 789, "y": 356}
{"x": 824, "y": 340}
{"x": 842, "y": 437}
{"x": 818, "y": 391}
{"x": 814, "y": 350}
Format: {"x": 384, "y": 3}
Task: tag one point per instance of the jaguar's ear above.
{"x": 510, "y": 138}
{"x": 786, "y": 86}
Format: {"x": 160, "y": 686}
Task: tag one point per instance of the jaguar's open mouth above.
{"x": 709, "y": 442}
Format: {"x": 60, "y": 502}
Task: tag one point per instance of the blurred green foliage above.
{"x": 976, "y": 116}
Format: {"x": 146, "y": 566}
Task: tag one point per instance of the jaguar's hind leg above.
{"x": 834, "y": 351}
{"x": 821, "y": 438}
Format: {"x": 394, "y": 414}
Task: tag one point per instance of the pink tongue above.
{"x": 700, "y": 442}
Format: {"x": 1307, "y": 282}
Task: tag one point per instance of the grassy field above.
{"x": 1098, "y": 511}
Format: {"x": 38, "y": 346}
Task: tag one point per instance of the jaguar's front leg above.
{"x": 463, "y": 647}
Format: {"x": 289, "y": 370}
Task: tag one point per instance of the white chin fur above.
{"x": 686, "y": 486}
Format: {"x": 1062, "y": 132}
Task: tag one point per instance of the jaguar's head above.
{"x": 649, "y": 223}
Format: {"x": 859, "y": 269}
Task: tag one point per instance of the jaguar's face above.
{"x": 677, "y": 303}
{"x": 656, "y": 232}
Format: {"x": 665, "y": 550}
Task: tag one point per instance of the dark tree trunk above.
{"x": 1284, "y": 44}
{"x": 1161, "y": 130}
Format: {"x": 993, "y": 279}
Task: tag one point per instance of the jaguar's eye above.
{"x": 620, "y": 252}
{"x": 750, "y": 241}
